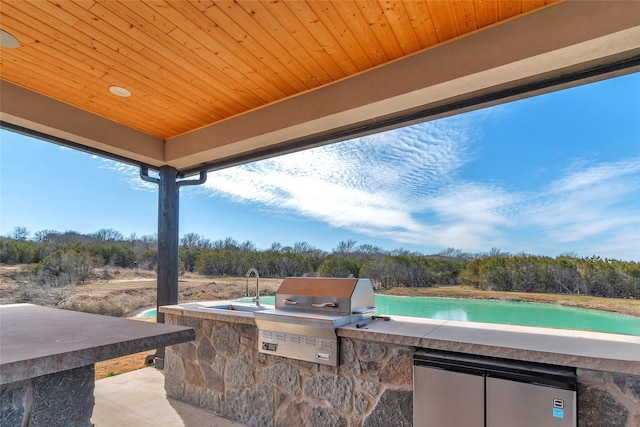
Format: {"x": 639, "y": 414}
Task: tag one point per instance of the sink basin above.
{"x": 237, "y": 307}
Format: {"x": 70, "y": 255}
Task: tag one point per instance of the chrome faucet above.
{"x": 256, "y": 299}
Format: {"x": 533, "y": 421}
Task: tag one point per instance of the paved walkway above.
{"x": 137, "y": 399}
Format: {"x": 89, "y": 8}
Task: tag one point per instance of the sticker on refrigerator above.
{"x": 558, "y": 413}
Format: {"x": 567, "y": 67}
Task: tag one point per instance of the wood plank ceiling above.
{"x": 189, "y": 64}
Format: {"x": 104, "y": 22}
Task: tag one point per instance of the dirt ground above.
{"x": 120, "y": 365}
{"x": 124, "y": 292}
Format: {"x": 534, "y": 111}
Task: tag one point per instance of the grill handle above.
{"x": 288, "y": 301}
{"x": 364, "y": 310}
{"x": 325, "y": 305}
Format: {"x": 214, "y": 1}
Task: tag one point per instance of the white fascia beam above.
{"x": 48, "y": 117}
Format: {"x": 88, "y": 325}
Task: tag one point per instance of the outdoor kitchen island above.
{"x": 224, "y": 372}
{"x": 47, "y": 359}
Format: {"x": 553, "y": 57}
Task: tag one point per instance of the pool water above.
{"x": 150, "y": 313}
{"x": 510, "y": 313}
{"x": 492, "y": 311}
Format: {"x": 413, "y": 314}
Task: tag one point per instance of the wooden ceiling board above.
{"x": 400, "y": 23}
{"x": 509, "y": 8}
{"x": 422, "y": 23}
{"x": 323, "y": 37}
{"x": 222, "y": 44}
{"x": 162, "y": 48}
{"x": 444, "y": 21}
{"x": 339, "y": 29}
{"x": 259, "y": 58}
{"x": 308, "y": 44}
{"x": 156, "y": 60}
{"x": 464, "y": 13}
{"x": 288, "y": 33}
{"x": 528, "y": 5}
{"x": 361, "y": 28}
{"x": 191, "y": 64}
{"x": 486, "y": 12}
{"x": 251, "y": 32}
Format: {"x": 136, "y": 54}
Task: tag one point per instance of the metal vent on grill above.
{"x": 295, "y": 339}
{"x": 325, "y": 345}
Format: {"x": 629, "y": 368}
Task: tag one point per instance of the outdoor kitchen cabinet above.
{"x": 453, "y": 390}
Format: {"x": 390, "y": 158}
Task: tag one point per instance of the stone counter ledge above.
{"x": 579, "y": 349}
{"x": 37, "y": 341}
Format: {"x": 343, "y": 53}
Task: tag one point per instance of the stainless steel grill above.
{"x": 308, "y": 311}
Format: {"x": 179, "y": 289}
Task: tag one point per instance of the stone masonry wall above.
{"x": 608, "y": 400}
{"x": 223, "y": 372}
{"x": 62, "y": 399}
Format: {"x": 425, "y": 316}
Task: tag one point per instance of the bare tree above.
{"x": 276, "y": 247}
{"x": 302, "y": 248}
{"x": 108, "y": 235}
{"x": 247, "y": 246}
{"x": 369, "y": 250}
{"x": 19, "y": 233}
{"x": 149, "y": 242}
{"x": 191, "y": 240}
{"x": 228, "y": 244}
{"x": 345, "y": 247}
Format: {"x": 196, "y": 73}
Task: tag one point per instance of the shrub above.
{"x": 62, "y": 269}
{"x": 338, "y": 267}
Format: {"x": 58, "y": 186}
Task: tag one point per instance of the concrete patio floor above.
{"x": 138, "y": 399}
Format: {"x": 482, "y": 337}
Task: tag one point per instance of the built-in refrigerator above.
{"x": 461, "y": 390}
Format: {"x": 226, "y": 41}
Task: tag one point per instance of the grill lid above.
{"x": 318, "y": 286}
{"x": 332, "y": 296}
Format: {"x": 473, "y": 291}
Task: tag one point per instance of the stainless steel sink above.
{"x": 236, "y": 307}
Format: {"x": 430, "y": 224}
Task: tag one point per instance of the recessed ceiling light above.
{"x": 7, "y": 40}
{"x": 119, "y": 91}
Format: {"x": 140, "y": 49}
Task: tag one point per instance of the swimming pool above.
{"x": 493, "y": 311}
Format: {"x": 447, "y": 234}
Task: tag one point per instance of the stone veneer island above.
{"x": 223, "y": 371}
{"x": 47, "y": 359}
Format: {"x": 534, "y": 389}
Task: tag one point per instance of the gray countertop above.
{"x": 580, "y": 349}
{"x": 37, "y": 340}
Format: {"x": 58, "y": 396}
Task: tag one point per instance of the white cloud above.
{"x": 622, "y": 243}
{"x": 405, "y": 186}
{"x": 130, "y": 173}
{"x": 590, "y": 200}
{"x": 381, "y": 185}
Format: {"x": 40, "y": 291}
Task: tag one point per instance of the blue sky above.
{"x": 546, "y": 175}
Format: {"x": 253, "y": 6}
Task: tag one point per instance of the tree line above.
{"x": 59, "y": 259}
